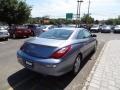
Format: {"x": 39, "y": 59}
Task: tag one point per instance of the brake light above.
{"x": 60, "y": 53}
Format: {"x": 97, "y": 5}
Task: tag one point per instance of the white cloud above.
{"x": 100, "y": 9}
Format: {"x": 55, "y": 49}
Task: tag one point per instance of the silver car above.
{"x": 57, "y": 51}
{"x": 4, "y": 34}
{"x": 95, "y": 28}
{"x": 117, "y": 29}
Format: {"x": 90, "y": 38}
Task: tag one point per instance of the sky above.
{"x": 99, "y": 9}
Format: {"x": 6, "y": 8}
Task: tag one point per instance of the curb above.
{"x": 87, "y": 83}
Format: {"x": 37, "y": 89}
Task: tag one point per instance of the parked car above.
{"x": 106, "y": 29}
{"x": 95, "y": 28}
{"x": 47, "y": 27}
{"x": 57, "y": 51}
{"x": 19, "y": 31}
{"x": 4, "y": 34}
{"x": 35, "y": 29}
{"x": 116, "y": 29}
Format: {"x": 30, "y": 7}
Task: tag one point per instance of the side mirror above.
{"x": 93, "y": 35}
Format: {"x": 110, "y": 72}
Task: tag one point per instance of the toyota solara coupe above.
{"x": 57, "y": 51}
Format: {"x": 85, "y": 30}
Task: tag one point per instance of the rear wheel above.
{"x": 33, "y": 34}
{"x": 77, "y": 65}
{"x": 95, "y": 47}
{"x": 13, "y": 36}
{"x": 6, "y": 39}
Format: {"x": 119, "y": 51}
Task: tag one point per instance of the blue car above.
{"x": 57, "y": 51}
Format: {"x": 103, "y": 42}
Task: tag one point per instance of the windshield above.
{"x": 57, "y": 34}
{"x": 95, "y": 26}
{"x": 118, "y": 26}
{"x": 43, "y": 27}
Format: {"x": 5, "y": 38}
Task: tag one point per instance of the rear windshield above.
{"x": 95, "y": 26}
{"x": 118, "y": 26}
{"x": 57, "y": 34}
{"x": 107, "y": 27}
{"x": 21, "y": 27}
{"x": 43, "y": 27}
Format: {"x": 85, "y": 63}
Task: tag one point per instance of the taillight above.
{"x": 60, "y": 53}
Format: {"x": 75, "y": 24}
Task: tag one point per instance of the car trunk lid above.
{"x": 42, "y": 48}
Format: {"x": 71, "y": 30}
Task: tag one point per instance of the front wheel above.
{"x": 77, "y": 65}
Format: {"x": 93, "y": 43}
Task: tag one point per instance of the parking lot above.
{"x": 13, "y": 75}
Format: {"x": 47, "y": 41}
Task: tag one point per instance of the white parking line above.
{"x": 10, "y": 88}
{"x": 2, "y": 43}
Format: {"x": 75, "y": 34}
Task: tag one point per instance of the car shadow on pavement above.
{"x": 2, "y": 40}
{"x": 28, "y": 80}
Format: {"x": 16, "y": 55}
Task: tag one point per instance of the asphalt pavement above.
{"x": 14, "y": 76}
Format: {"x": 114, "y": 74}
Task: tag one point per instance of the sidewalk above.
{"x": 105, "y": 75}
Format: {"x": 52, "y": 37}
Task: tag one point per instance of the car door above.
{"x": 90, "y": 41}
{"x": 83, "y": 42}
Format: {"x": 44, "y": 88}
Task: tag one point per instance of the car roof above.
{"x": 69, "y": 28}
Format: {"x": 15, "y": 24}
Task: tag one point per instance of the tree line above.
{"x": 19, "y": 12}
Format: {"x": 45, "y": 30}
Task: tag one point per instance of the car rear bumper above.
{"x": 51, "y": 67}
{"x": 23, "y": 34}
{"x": 4, "y": 36}
{"x": 116, "y": 31}
{"x": 105, "y": 31}
{"x": 94, "y": 30}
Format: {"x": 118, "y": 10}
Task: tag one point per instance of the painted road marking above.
{"x": 2, "y": 43}
{"x": 10, "y": 88}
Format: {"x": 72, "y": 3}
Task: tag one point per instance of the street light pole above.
{"x": 78, "y": 21}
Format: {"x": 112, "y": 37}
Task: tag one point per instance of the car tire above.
{"x": 77, "y": 65}
{"x": 27, "y": 36}
{"x": 95, "y": 47}
{"x": 13, "y": 36}
{"x": 6, "y": 39}
{"x": 33, "y": 34}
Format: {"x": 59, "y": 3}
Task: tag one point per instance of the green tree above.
{"x": 96, "y": 22}
{"x": 87, "y": 19}
{"x": 14, "y": 11}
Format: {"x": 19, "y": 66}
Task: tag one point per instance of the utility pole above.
{"x": 87, "y": 18}
{"x": 89, "y": 8}
{"x": 78, "y": 20}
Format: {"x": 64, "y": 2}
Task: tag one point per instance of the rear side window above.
{"x": 87, "y": 34}
{"x": 83, "y": 34}
{"x": 57, "y": 34}
{"x": 80, "y": 35}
